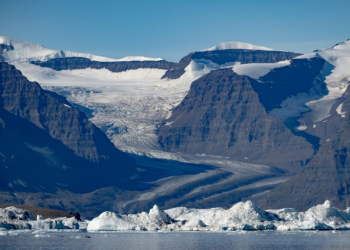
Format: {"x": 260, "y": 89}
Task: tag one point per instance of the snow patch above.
{"x": 257, "y": 70}
{"x": 339, "y": 111}
{"x": 301, "y": 128}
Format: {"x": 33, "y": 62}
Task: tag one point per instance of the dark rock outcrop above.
{"x": 47, "y": 144}
{"x": 326, "y": 176}
{"x": 83, "y": 63}
{"x": 222, "y": 115}
{"x": 229, "y": 55}
{"x": 281, "y": 83}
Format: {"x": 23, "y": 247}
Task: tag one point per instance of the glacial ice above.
{"x": 16, "y": 218}
{"x": 241, "y": 216}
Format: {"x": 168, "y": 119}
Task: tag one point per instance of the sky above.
{"x": 171, "y": 29}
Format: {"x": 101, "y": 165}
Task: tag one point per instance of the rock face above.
{"x": 326, "y": 176}
{"x": 83, "y": 63}
{"x": 46, "y": 143}
{"x": 281, "y": 83}
{"x": 229, "y": 56}
{"x": 222, "y": 116}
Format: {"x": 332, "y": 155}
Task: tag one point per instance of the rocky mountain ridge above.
{"x": 46, "y": 143}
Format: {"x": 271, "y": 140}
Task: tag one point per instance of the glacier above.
{"x": 241, "y": 216}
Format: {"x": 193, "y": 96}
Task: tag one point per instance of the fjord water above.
{"x": 195, "y": 240}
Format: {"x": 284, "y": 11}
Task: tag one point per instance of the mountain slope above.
{"x": 327, "y": 176}
{"x": 47, "y": 143}
{"x": 222, "y": 115}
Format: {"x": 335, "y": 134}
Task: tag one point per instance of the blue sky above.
{"x": 172, "y": 29}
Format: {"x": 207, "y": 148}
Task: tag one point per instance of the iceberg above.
{"x": 12, "y": 218}
{"x": 241, "y": 216}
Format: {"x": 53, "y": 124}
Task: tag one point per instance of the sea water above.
{"x": 180, "y": 240}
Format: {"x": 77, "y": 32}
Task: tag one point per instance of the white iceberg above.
{"x": 16, "y": 218}
{"x": 241, "y": 216}
{"x": 109, "y": 221}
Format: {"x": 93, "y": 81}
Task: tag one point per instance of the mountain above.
{"x": 327, "y": 176}
{"x": 127, "y": 105}
{"x": 47, "y": 144}
{"x": 126, "y": 99}
{"x": 234, "y": 107}
{"x": 227, "y": 114}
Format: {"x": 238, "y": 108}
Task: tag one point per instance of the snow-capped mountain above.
{"x": 235, "y": 102}
{"x": 305, "y": 93}
{"x": 127, "y": 99}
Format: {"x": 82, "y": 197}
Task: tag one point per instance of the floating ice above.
{"x": 241, "y": 216}
{"x": 16, "y": 218}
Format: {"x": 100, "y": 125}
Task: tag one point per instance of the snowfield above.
{"x": 236, "y": 45}
{"x": 241, "y": 216}
{"x": 257, "y": 70}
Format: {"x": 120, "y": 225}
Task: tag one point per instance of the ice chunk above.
{"x": 109, "y": 221}
{"x": 158, "y": 215}
{"x": 12, "y": 213}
